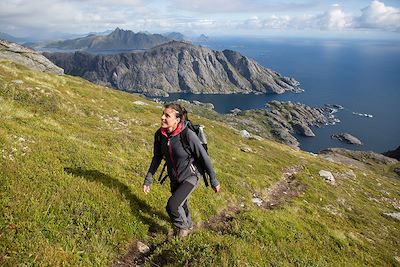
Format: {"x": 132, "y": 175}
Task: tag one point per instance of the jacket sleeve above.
{"x": 201, "y": 154}
{"x": 155, "y": 162}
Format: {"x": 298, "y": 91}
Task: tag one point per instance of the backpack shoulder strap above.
{"x": 161, "y": 178}
{"x": 158, "y": 135}
{"x": 185, "y": 140}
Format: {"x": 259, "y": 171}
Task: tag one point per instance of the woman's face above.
{"x": 169, "y": 120}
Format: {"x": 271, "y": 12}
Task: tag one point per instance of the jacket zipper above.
{"x": 172, "y": 159}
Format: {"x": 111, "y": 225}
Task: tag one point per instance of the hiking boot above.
{"x": 184, "y": 232}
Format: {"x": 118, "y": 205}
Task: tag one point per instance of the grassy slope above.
{"x": 73, "y": 157}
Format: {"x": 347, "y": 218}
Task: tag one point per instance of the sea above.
{"x": 363, "y": 76}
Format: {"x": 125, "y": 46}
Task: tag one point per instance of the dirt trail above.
{"x": 273, "y": 197}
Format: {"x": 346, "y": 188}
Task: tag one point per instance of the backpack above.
{"x": 199, "y": 131}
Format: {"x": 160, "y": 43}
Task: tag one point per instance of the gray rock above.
{"x": 142, "y": 248}
{"x": 140, "y": 103}
{"x": 257, "y": 201}
{"x": 206, "y": 105}
{"x": 347, "y": 138}
{"x": 246, "y": 149}
{"x": 351, "y": 157}
{"x": 27, "y": 57}
{"x": 245, "y": 134}
{"x": 328, "y": 176}
{"x": 303, "y": 129}
{"x": 18, "y": 81}
{"x": 176, "y": 67}
{"x": 235, "y": 111}
{"x": 395, "y": 215}
{"x": 283, "y": 135}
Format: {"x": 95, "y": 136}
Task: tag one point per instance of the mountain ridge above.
{"x": 118, "y": 39}
{"x": 176, "y": 67}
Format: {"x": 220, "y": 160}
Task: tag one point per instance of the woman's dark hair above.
{"x": 181, "y": 111}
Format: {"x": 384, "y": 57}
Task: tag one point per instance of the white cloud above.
{"x": 379, "y": 16}
{"x": 68, "y": 16}
{"x": 272, "y": 22}
{"x": 242, "y": 6}
{"x": 334, "y": 19}
{"x": 35, "y": 17}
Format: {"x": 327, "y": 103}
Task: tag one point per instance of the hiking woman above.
{"x": 183, "y": 165}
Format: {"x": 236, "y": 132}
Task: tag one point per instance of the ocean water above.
{"x": 361, "y": 75}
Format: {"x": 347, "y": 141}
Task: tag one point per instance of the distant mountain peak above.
{"x": 118, "y": 40}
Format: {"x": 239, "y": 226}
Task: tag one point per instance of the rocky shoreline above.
{"x": 279, "y": 121}
{"x": 282, "y": 121}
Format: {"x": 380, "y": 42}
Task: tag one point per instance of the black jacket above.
{"x": 181, "y": 163}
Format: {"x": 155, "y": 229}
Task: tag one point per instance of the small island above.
{"x": 347, "y": 138}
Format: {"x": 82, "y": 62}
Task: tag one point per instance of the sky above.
{"x": 48, "y": 18}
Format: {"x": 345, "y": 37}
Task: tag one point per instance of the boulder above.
{"x": 245, "y": 134}
{"x": 328, "y": 176}
{"x": 235, "y": 111}
{"x": 142, "y": 247}
{"x": 394, "y": 215}
{"x": 302, "y": 129}
{"x": 246, "y": 149}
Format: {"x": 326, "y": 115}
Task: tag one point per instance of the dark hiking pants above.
{"x": 177, "y": 206}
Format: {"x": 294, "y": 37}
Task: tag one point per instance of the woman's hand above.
{"x": 217, "y": 188}
{"x": 146, "y": 189}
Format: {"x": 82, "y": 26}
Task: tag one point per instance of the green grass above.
{"x": 73, "y": 156}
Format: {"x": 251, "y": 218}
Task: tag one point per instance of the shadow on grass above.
{"x": 138, "y": 206}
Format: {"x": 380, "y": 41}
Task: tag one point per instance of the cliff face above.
{"x": 27, "y": 57}
{"x": 176, "y": 67}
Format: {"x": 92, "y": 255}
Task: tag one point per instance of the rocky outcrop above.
{"x": 176, "y": 67}
{"x": 27, "y": 57}
{"x": 302, "y": 129}
{"x": 347, "y": 138}
{"x": 116, "y": 41}
{"x": 393, "y": 153}
{"x": 287, "y": 118}
{"x": 354, "y": 158}
{"x": 280, "y": 121}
